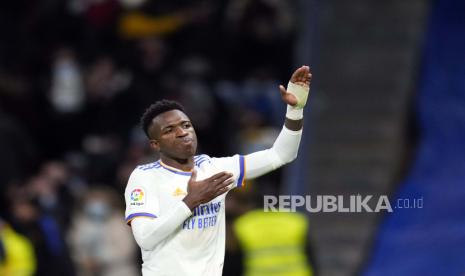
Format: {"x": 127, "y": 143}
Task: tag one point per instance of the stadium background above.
{"x": 385, "y": 117}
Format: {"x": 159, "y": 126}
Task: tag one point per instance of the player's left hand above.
{"x": 302, "y": 76}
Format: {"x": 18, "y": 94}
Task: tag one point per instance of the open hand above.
{"x": 302, "y": 77}
{"x": 203, "y": 191}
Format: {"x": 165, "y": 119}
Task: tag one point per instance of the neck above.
{"x": 180, "y": 164}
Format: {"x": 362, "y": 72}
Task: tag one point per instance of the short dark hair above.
{"x": 156, "y": 109}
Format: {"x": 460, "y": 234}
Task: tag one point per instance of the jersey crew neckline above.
{"x": 175, "y": 170}
{"x": 198, "y": 160}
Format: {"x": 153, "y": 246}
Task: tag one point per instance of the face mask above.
{"x": 67, "y": 93}
{"x": 97, "y": 210}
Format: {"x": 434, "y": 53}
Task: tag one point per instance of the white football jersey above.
{"x": 197, "y": 246}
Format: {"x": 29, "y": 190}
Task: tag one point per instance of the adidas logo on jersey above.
{"x": 179, "y": 192}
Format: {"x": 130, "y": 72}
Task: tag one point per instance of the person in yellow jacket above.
{"x": 17, "y": 258}
{"x": 273, "y": 243}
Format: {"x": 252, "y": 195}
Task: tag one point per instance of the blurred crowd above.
{"x": 76, "y": 75}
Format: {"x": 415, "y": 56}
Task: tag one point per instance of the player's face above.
{"x": 173, "y": 135}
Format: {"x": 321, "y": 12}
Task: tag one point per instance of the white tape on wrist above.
{"x": 294, "y": 113}
{"x": 300, "y": 92}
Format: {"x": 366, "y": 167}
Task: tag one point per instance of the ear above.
{"x": 154, "y": 144}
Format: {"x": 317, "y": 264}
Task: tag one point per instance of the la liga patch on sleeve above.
{"x": 137, "y": 197}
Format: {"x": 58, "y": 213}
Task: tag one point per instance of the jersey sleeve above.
{"x": 234, "y": 164}
{"x": 140, "y": 196}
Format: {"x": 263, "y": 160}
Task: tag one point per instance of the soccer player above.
{"x": 176, "y": 206}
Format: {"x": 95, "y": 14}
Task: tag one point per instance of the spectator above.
{"x": 101, "y": 242}
{"x": 16, "y": 253}
{"x": 45, "y": 234}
